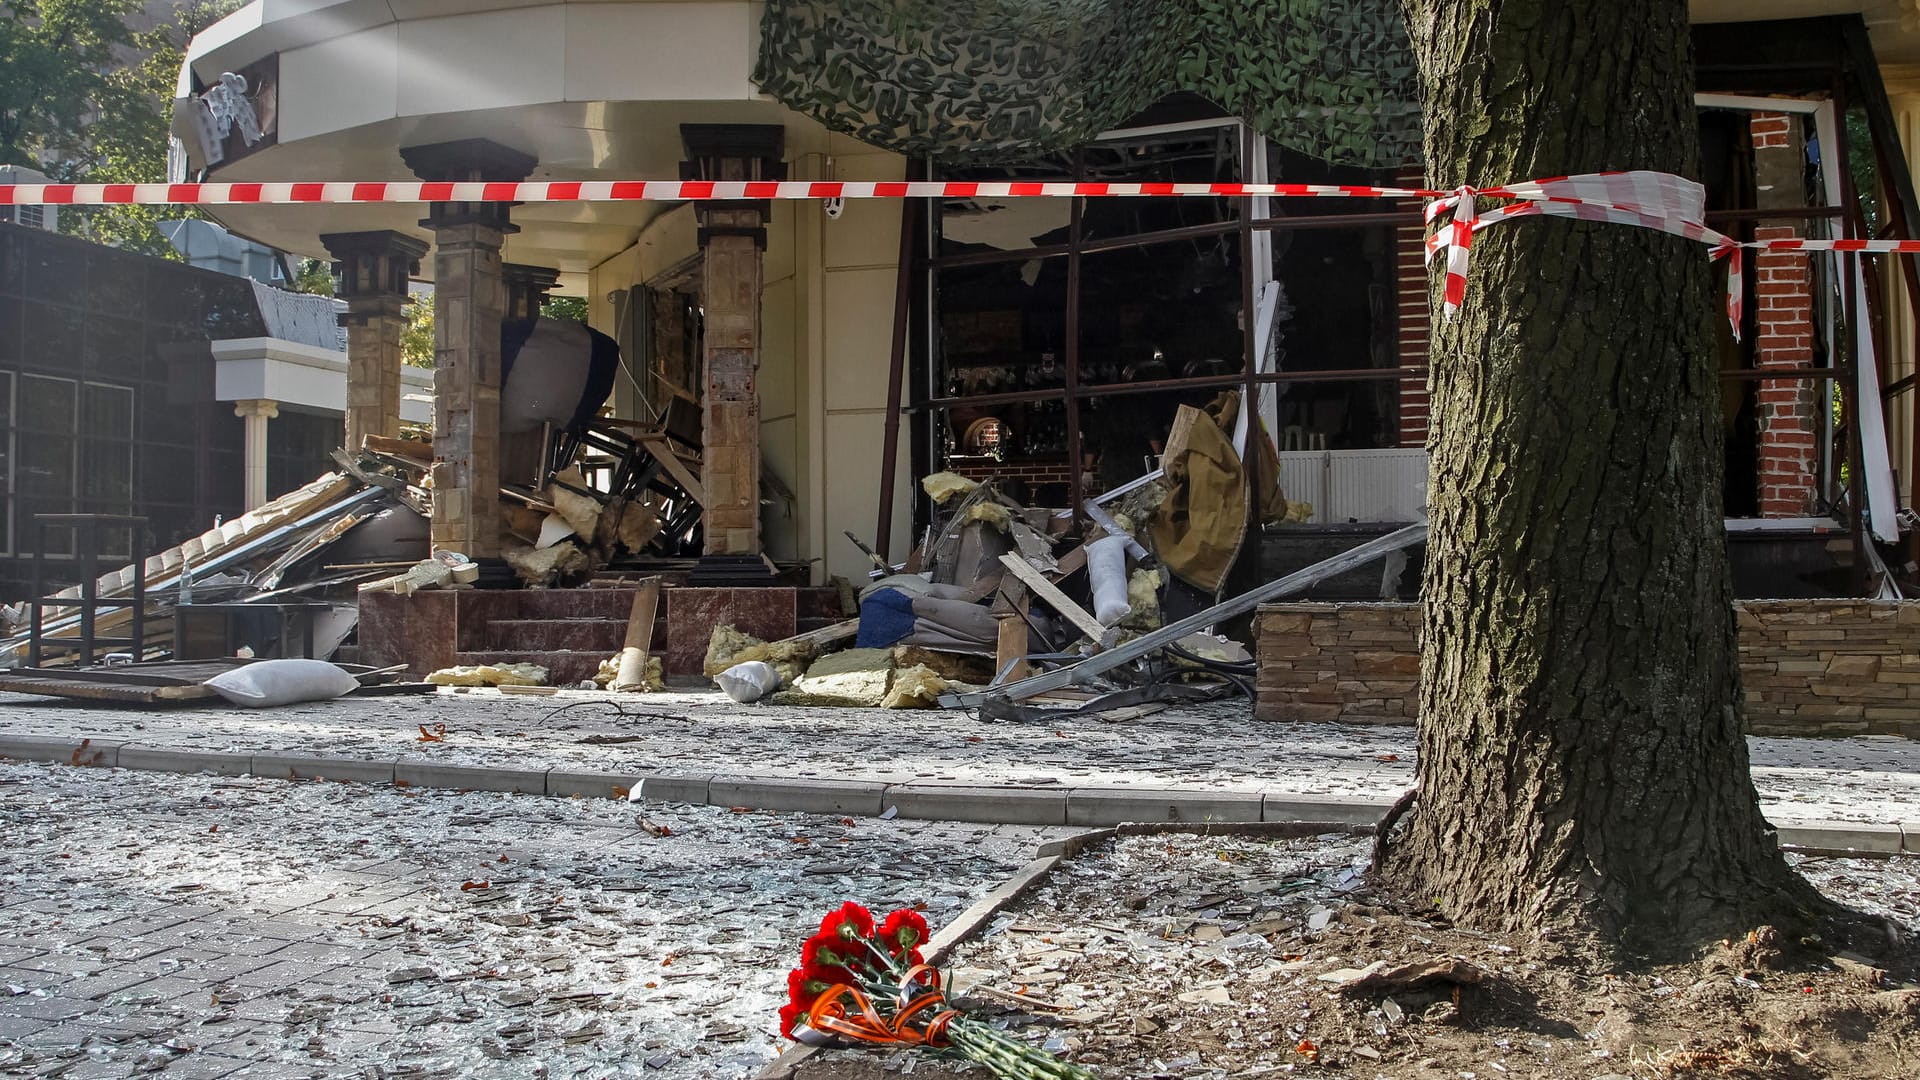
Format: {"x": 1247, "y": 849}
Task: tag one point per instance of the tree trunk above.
{"x": 1582, "y": 763}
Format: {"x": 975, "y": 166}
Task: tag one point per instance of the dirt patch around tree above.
{"x": 1212, "y": 957}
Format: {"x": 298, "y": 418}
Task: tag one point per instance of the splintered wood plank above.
{"x": 632, "y": 672}
{"x": 826, "y": 635}
{"x": 411, "y": 449}
{"x": 1012, "y": 642}
{"x": 1080, "y": 617}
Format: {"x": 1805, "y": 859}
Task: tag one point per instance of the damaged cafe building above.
{"x": 775, "y": 396}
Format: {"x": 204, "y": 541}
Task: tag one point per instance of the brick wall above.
{"x": 1033, "y": 472}
{"x": 1770, "y": 130}
{"x": 1414, "y": 313}
{"x": 1788, "y": 414}
{"x": 1808, "y": 667}
{"x": 1783, "y": 289}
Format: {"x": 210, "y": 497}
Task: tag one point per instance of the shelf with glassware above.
{"x": 1022, "y": 431}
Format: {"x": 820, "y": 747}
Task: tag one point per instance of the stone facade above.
{"x": 1808, "y": 667}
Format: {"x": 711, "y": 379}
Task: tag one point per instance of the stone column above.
{"x": 527, "y": 289}
{"x": 733, "y": 241}
{"x": 469, "y": 303}
{"x": 373, "y": 268}
{"x": 256, "y": 412}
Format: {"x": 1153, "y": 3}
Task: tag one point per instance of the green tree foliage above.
{"x": 416, "y": 341}
{"x": 128, "y": 143}
{"x": 565, "y": 307}
{"x": 313, "y": 276}
{"x": 58, "y": 60}
{"x": 87, "y": 99}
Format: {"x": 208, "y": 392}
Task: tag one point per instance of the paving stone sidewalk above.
{"x": 1216, "y": 748}
{"x": 209, "y": 926}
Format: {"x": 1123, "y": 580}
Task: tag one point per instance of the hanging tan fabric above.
{"x": 1203, "y": 521}
{"x": 1225, "y": 411}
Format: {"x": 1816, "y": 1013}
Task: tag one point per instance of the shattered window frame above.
{"x": 102, "y": 446}
{"x": 1370, "y": 382}
{"x": 35, "y": 422}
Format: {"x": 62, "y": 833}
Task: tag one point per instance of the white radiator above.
{"x": 1357, "y": 485}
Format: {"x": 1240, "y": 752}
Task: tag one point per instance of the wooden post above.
{"x": 1010, "y": 620}
{"x": 632, "y": 672}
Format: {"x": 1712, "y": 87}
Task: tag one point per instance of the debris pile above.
{"x": 311, "y": 545}
{"x": 490, "y": 675}
{"x": 996, "y": 591}
{"x": 364, "y": 528}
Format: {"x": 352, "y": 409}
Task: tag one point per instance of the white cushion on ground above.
{"x": 281, "y": 682}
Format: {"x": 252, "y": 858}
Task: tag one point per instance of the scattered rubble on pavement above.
{"x": 196, "y": 926}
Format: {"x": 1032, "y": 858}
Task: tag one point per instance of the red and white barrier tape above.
{"x": 1653, "y": 200}
{"x": 533, "y": 191}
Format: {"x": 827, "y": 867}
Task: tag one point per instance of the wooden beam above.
{"x": 1057, "y": 600}
{"x": 663, "y": 452}
{"x": 411, "y": 449}
{"x": 826, "y": 635}
{"x": 1010, "y": 620}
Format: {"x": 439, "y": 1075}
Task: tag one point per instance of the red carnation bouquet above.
{"x": 858, "y": 984}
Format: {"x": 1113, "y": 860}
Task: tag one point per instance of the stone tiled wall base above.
{"x": 1808, "y": 667}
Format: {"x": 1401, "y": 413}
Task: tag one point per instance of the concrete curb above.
{"x": 103, "y": 753}
{"x": 1841, "y": 837}
{"x": 162, "y": 759}
{"x": 931, "y": 800}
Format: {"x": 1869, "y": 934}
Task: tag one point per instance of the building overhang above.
{"x": 304, "y": 377}
{"x": 591, "y": 90}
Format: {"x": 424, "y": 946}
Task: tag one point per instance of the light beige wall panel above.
{"x": 778, "y": 263}
{"x": 867, "y": 232}
{"x": 853, "y": 485}
{"x": 858, "y": 337}
{"x": 490, "y": 60}
{"x": 667, "y": 241}
{"x": 777, "y": 375}
{"x": 660, "y": 52}
{"x": 342, "y": 83}
{"x": 780, "y": 522}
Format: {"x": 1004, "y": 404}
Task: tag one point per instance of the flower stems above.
{"x": 1008, "y": 1057}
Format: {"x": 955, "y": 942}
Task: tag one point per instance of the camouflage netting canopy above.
{"x": 966, "y": 81}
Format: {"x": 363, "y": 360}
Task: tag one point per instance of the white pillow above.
{"x": 281, "y": 682}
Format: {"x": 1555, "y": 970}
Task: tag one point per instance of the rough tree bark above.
{"x": 1582, "y": 766}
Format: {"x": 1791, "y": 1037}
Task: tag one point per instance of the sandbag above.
{"x": 281, "y": 682}
{"x": 749, "y": 682}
